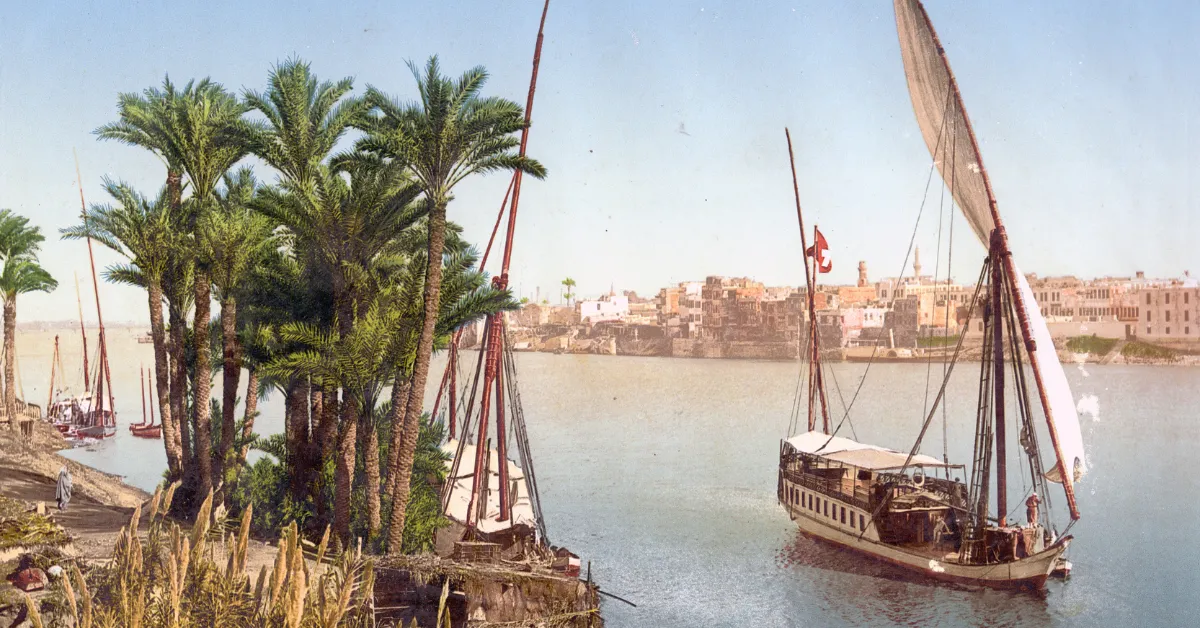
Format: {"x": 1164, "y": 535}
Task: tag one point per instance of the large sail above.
{"x": 1055, "y": 387}
{"x": 942, "y": 119}
{"x": 951, "y": 141}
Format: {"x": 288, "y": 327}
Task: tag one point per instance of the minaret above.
{"x": 917, "y": 263}
{"x": 862, "y": 274}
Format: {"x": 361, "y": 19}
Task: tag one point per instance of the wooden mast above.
{"x": 495, "y": 343}
{"x": 150, "y": 385}
{"x": 142, "y": 381}
{"x": 997, "y": 303}
{"x": 53, "y": 365}
{"x": 87, "y": 386}
{"x": 1005, "y": 257}
{"x": 104, "y": 372}
{"x": 815, "y": 382}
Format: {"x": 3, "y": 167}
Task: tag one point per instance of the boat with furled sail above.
{"x": 891, "y": 504}
{"x": 146, "y": 429}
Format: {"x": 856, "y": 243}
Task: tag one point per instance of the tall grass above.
{"x": 174, "y": 579}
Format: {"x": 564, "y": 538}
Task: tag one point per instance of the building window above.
{"x": 1185, "y": 298}
{"x": 1168, "y": 331}
{"x": 1167, "y": 296}
{"x": 1148, "y": 313}
{"x": 1147, "y": 299}
{"x": 1187, "y": 330}
{"x": 1148, "y": 332}
{"x": 1187, "y": 315}
{"x": 1168, "y": 316}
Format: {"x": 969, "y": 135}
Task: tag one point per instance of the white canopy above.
{"x": 858, "y": 454}
{"x": 460, "y": 493}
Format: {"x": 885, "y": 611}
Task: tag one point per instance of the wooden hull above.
{"x": 95, "y": 431}
{"x": 146, "y": 431}
{"x": 1030, "y": 572}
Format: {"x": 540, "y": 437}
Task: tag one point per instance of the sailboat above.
{"x": 490, "y": 498}
{"x": 146, "y": 429}
{"x": 889, "y": 504}
{"x": 92, "y": 419}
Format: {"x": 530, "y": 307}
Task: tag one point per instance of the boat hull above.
{"x": 146, "y": 431}
{"x": 1030, "y": 572}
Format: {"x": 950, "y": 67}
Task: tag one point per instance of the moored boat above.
{"x": 887, "y": 504}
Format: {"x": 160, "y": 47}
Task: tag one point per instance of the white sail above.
{"x": 1060, "y": 403}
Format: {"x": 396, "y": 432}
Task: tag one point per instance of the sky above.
{"x": 661, "y": 125}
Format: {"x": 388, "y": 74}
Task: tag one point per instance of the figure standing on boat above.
{"x": 1031, "y": 508}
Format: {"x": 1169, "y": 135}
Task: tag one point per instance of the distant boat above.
{"x": 145, "y": 339}
{"x": 886, "y": 503}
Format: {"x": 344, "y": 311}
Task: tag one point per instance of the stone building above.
{"x": 1170, "y": 315}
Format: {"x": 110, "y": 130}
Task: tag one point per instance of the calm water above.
{"x": 662, "y": 473}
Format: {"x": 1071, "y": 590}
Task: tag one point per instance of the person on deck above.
{"x": 1031, "y": 508}
{"x": 62, "y": 491}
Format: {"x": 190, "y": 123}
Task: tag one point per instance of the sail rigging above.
{"x": 940, "y": 114}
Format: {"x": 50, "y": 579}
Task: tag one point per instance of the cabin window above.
{"x": 862, "y": 522}
{"x": 843, "y": 515}
{"x": 827, "y": 508}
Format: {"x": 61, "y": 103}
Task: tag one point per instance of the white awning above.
{"x": 858, "y": 454}
{"x": 460, "y": 494}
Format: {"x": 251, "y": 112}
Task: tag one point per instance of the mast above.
{"x": 53, "y": 364}
{"x": 104, "y": 371}
{"x": 142, "y": 381}
{"x": 494, "y": 346}
{"x": 905, "y": 11}
{"x": 150, "y": 385}
{"x": 87, "y": 386}
{"x": 997, "y": 289}
{"x": 816, "y": 383}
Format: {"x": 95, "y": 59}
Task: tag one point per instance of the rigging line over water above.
{"x": 900, "y": 276}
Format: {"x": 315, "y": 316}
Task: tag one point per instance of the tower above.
{"x": 917, "y": 263}
{"x": 862, "y": 273}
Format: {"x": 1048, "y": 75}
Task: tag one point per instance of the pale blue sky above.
{"x": 1084, "y": 111}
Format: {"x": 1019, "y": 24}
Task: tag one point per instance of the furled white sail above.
{"x": 1065, "y": 418}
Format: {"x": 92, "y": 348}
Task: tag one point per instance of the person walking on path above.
{"x": 62, "y": 491}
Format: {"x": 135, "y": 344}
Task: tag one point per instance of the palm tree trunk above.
{"x": 231, "y": 373}
{"x": 396, "y": 418}
{"x": 10, "y": 347}
{"x": 371, "y": 462}
{"x": 416, "y": 396}
{"x": 343, "y": 477}
{"x": 203, "y": 385}
{"x": 178, "y": 386}
{"x": 248, "y": 416}
{"x": 299, "y": 462}
{"x": 171, "y": 442}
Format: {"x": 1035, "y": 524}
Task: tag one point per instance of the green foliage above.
{"x": 19, "y": 528}
{"x": 1139, "y": 350}
{"x": 928, "y": 342}
{"x": 1091, "y": 344}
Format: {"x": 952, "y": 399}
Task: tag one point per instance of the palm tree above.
{"x": 568, "y": 283}
{"x": 150, "y": 121}
{"x": 212, "y": 140}
{"x": 143, "y": 231}
{"x": 237, "y": 240}
{"x": 304, "y": 120}
{"x": 19, "y": 245}
{"x": 452, "y": 133}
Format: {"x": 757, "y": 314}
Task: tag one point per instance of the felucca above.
{"x": 886, "y": 503}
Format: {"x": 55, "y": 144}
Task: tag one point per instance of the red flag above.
{"x": 819, "y": 251}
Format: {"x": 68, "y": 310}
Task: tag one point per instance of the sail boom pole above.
{"x": 814, "y": 351}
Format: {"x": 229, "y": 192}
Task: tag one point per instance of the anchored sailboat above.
{"x": 887, "y": 503}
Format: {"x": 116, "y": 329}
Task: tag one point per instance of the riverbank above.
{"x": 1118, "y": 352}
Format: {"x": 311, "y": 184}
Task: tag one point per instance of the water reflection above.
{"x": 860, "y": 591}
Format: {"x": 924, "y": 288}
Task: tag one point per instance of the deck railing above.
{"x": 829, "y": 488}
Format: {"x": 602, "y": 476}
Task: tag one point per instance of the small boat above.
{"x": 887, "y": 504}
{"x": 145, "y": 339}
{"x": 146, "y": 429}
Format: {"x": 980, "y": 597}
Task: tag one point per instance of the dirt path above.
{"x": 93, "y": 526}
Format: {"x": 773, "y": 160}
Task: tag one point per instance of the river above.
{"x": 662, "y": 473}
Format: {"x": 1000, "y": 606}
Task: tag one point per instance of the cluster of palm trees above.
{"x": 20, "y": 273}
{"x": 333, "y": 282}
